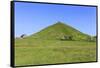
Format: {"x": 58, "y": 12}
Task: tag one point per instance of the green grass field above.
{"x": 36, "y": 52}
{"x": 46, "y": 47}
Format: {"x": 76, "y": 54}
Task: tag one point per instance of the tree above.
{"x": 70, "y": 37}
{"x": 66, "y": 37}
{"x": 23, "y": 35}
{"x": 91, "y": 38}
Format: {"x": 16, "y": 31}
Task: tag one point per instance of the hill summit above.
{"x": 59, "y": 31}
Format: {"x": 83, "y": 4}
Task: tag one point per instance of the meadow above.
{"x": 38, "y": 51}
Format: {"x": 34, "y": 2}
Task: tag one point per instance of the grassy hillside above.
{"x": 45, "y": 47}
{"x": 58, "y": 31}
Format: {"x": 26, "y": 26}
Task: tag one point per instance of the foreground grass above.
{"x": 36, "y": 52}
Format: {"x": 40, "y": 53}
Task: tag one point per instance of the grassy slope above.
{"x": 45, "y": 48}
{"x": 57, "y": 31}
{"x": 35, "y": 52}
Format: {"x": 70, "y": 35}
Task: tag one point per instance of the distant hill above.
{"x": 59, "y": 31}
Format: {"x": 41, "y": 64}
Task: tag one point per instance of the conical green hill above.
{"x": 59, "y": 31}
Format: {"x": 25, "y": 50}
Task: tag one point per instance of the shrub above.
{"x": 65, "y": 37}
{"x": 23, "y": 35}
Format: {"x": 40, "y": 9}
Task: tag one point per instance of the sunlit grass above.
{"x": 35, "y": 52}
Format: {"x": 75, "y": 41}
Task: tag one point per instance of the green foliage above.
{"x": 91, "y": 38}
{"x": 66, "y": 37}
{"x": 95, "y": 38}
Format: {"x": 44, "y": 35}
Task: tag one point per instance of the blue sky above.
{"x": 32, "y": 17}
